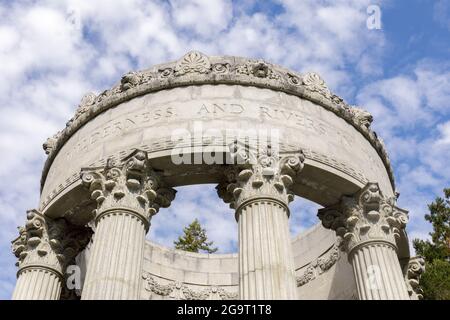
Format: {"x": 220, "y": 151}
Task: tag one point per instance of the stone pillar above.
{"x": 44, "y": 249}
{"x": 259, "y": 192}
{"x": 369, "y": 224}
{"x": 128, "y": 194}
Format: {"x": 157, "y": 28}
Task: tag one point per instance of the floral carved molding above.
{"x": 180, "y": 291}
{"x": 414, "y": 270}
{"x": 196, "y": 68}
{"x": 320, "y": 265}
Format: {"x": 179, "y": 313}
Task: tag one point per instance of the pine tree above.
{"x": 439, "y": 216}
{"x": 435, "y": 281}
{"x": 194, "y": 239}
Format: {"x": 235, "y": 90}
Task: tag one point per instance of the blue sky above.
{"x": 52, "y": 52}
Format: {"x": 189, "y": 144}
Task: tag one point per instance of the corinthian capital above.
{"x": 131, "y": 184}
{"x": 414, "y": 271}
{"x": 48, "y": 243}
{"x": 364, "y": 217}
{"x": 266, "y": 175}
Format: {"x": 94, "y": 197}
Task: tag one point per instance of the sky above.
{"x": 53, "y": 52}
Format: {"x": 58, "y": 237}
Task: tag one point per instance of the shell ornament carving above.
{"x": 193, "y": 62}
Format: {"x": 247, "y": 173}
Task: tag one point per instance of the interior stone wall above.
{"x": 176, "y": 274}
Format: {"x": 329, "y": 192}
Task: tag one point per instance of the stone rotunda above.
{"x": 116, "y": 163}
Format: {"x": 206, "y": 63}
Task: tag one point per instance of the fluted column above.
{"x": 259, "y": 192}
{"x": 128, "y": 194}
{"x": 44, "y": 248}
{"x": 38, "y": 284}
{"x": 369, "y": 223}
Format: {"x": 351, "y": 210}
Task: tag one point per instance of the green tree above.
{"x": 435, "y": 281}
{"x": 194, "y": 239}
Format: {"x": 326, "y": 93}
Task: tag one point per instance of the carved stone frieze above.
{"x": 131, "y": 184}
{"x": 364, "y": 217}
{"x": 414, "y": 270}
{"x": 259, "y": 69}
{"x": 197, "y": 68}
{"x": 266, "y": 174}
{"x": 48, "y": 243}
{"x": 313, "y": 82}
{"x": 321, "y": 264}
{"x": 179, "y": 291}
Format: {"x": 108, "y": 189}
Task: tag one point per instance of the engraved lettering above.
{"x": 169, "y": 112}
{"x": 203, "y": 109}
{"x": 264, "y": 111}
{"x": 157, "y": 114}
{"x": 236, "y": 108}
{"x": 216, "y": 106}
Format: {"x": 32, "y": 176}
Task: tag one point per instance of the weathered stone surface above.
{"x": 114, "y": 166}
{"x": 369, "y": 225}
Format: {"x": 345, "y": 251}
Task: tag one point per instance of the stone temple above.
{"x": 262, "y": 134}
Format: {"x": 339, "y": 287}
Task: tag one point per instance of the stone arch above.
{"x": 113, "y": 168}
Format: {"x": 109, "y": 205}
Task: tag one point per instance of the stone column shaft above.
{"x": 266, "y": 269}
{"x": 260, "y": 194}
{"x": 378, "y": 273}
{"x": 116, "y": 259}
{"x": 37, "y": 284}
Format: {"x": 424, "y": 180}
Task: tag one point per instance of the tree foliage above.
{"x": 194, "y": 239}
{"x": 435, "y": 281}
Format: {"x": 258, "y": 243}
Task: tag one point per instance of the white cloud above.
{"x": 441, "y": 13}
{"x": 408, "y": 110}
{"x": 53, "y": 51}
{"x": 205, "y": 17}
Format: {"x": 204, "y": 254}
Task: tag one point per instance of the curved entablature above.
{"x": 196, "y": 68}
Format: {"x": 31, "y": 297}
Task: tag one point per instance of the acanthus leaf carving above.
{"x": 130, "y": 183}
{"x": 48, "y": 243}
{"x": 366, "y": 216}
{"x": 267, "y": 173}
{"x": 414, "y": 270}
{"x": 314, "y": 83}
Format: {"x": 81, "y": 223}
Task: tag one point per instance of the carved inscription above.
{"x": 221, "y": 109}
{"x": 271, "y": 114}
{"x": 293, "y": 118}
{"x": 117, "y": 127}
